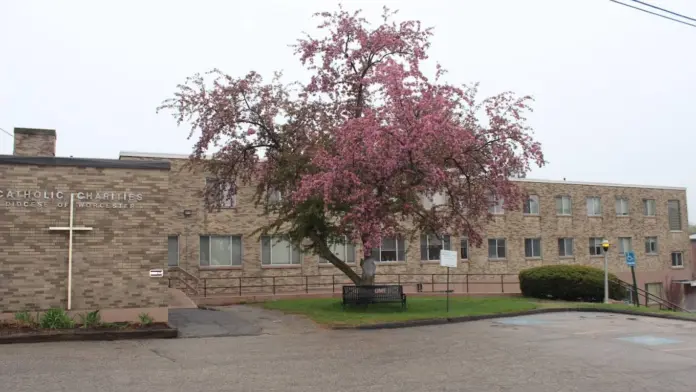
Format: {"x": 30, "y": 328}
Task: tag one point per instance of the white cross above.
{"x": 70, "y": 229}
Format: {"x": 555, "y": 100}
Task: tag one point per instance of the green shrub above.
{"x": 25, "y": 318}
{"x": 91, "y": 319}
{"x": 568, "y": 283}
{"x": 56, "y": 319}
{"x": 145, "y": 319}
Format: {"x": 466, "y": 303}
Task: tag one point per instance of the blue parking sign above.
{"x": 630, "y": 259}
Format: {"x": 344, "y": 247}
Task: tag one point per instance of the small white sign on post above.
{"x": 156, "y": 273}
{"x": 448, "y": 258}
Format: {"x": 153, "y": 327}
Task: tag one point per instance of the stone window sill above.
{"x": 281, "y": 266}
{"x": 531, "y": 215}
{"x": 623, "y": 216}
{"x": 390, "y": 263}
{"x": 430, "y": 261}
{"x": 219, "y": 267}
{"x": 677, "y": 267}
{"x": 566, "y": 257}
{"x": 533, "y": 258}
{"x": 490, "y": 259}
{"x": 564, "y": 215}
{"x": 331, "y": 265}
{"x": 676, "y": 231}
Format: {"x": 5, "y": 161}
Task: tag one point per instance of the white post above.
{"x": 70, "y": 242}
{"x": 605, "y": 248}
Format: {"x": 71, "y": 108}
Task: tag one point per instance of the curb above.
{"x": 464, "y": 319}
{"x": 77, "y": 335}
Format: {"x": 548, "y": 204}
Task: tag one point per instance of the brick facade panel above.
{"x": 111, "y": 263}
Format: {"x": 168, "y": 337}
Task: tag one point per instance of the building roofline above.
{"x": 136, "y": 154}
{"x": 157, "y": 155}
{"x": 605, "y": 184}
{"x": 83, "y": 162}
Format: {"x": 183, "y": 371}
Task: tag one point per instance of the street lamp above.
{"x": 605, "y": 247}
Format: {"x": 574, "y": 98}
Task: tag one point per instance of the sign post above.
{"x": 631, "y": 262}
{"x": 448, "y": 258}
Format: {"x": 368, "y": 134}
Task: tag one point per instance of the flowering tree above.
{"x": 351, "y": 155}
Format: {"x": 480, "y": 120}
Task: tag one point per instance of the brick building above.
{"x": 562, "y": 222}
{"x": 120, "y": 211}
{"x": 145, "y": 212}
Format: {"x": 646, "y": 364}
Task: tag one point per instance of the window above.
{"x": 496, "y": 205}
{"x": 173, "y": 250}
{"x": 532, "y": 247}
{"x": 565, "y": 247}
{"x": 595, "y": 246}
{"x": 654, "y": 289}
{"x": 392, "y": 249}
{"x": 436, "y": 200}
{"x": 278, "y": 251}
{"x": 650, "y": 245}
{"x": 274, "y": 196}
{"x": 674, "y": 215}
{"x": 625, "y": 245}
{"x": 563, "y": 206}
{"x": 649, "y": 207}
{"x": 218, "y": 250}
{"x": 431, "y": 246}
{"x": 531, "y": 205}
{"x": 221, "y": 193}
{"x": 677, "y": 259}
{"x": 345, "y": 252}
{"x": 594, "y": 206}
{"x": 496, "y": 248}
{"x": 464, "y": 248}
{"x": 622, "y": 206}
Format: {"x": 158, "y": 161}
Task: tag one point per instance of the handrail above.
{"x": 649, "y": 296}
{"x": 330, "y": 281}
{"x": 188, "y": 274}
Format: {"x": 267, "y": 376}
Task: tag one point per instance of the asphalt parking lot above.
{"x": 551, "y": 352}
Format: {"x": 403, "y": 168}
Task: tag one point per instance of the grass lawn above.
{"x": 328, "y": 311}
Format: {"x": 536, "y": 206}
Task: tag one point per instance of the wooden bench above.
{"x": 365, "y": 295}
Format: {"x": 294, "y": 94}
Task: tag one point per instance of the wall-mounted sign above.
{"x": 13, "y": 198}
{"x": 156, "y": 273}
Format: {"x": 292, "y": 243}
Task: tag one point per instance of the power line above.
{"x": 6, "y": 132}
{"x": 654, "y": 13}
{"x": 664, "y": 10}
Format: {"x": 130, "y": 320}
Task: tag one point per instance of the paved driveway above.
{"x": 553, "y": 352}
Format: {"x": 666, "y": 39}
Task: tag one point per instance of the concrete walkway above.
{"x": 197, "y": 323}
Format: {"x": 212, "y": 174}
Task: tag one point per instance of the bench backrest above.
{"x": 385, "y": 291}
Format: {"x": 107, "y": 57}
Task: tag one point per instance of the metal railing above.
{"x": 648, "y": 297}
{"x": 429, "y": 283}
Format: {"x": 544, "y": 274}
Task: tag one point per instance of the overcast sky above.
{"x": 614, "y": 87}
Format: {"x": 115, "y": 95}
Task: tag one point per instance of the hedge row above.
{"x": 568, "y": 283}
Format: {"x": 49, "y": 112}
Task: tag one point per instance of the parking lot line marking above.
{"x": 680, "y": 349}
{"x": 597, "y": 331}
{"x": 649, "y": 340}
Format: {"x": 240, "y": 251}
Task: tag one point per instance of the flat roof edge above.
{"x": 84, "y": 162}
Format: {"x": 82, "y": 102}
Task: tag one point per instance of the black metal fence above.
{"x": 433, "y": 283}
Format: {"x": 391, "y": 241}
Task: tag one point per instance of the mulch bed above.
{"x": 18, "y": 333}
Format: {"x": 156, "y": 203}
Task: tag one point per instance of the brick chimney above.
{"x": 31, "y": 142}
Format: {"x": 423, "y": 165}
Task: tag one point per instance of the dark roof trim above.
{"x": 36, "y": 131}
{"x": 84, "y": 162}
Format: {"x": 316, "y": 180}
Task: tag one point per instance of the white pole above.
{"x": 70, "y": 241}
{"x": 606, "y": 279}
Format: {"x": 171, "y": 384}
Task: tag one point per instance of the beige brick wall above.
{"x": 514, "y": 226}
{"x": 34, "y": 142}
{"x": 111, "y": 263}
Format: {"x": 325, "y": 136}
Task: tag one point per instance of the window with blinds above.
{"x": 674, "y": 215}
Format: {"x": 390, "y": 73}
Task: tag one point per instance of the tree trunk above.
{"x": 326, "y": 253}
